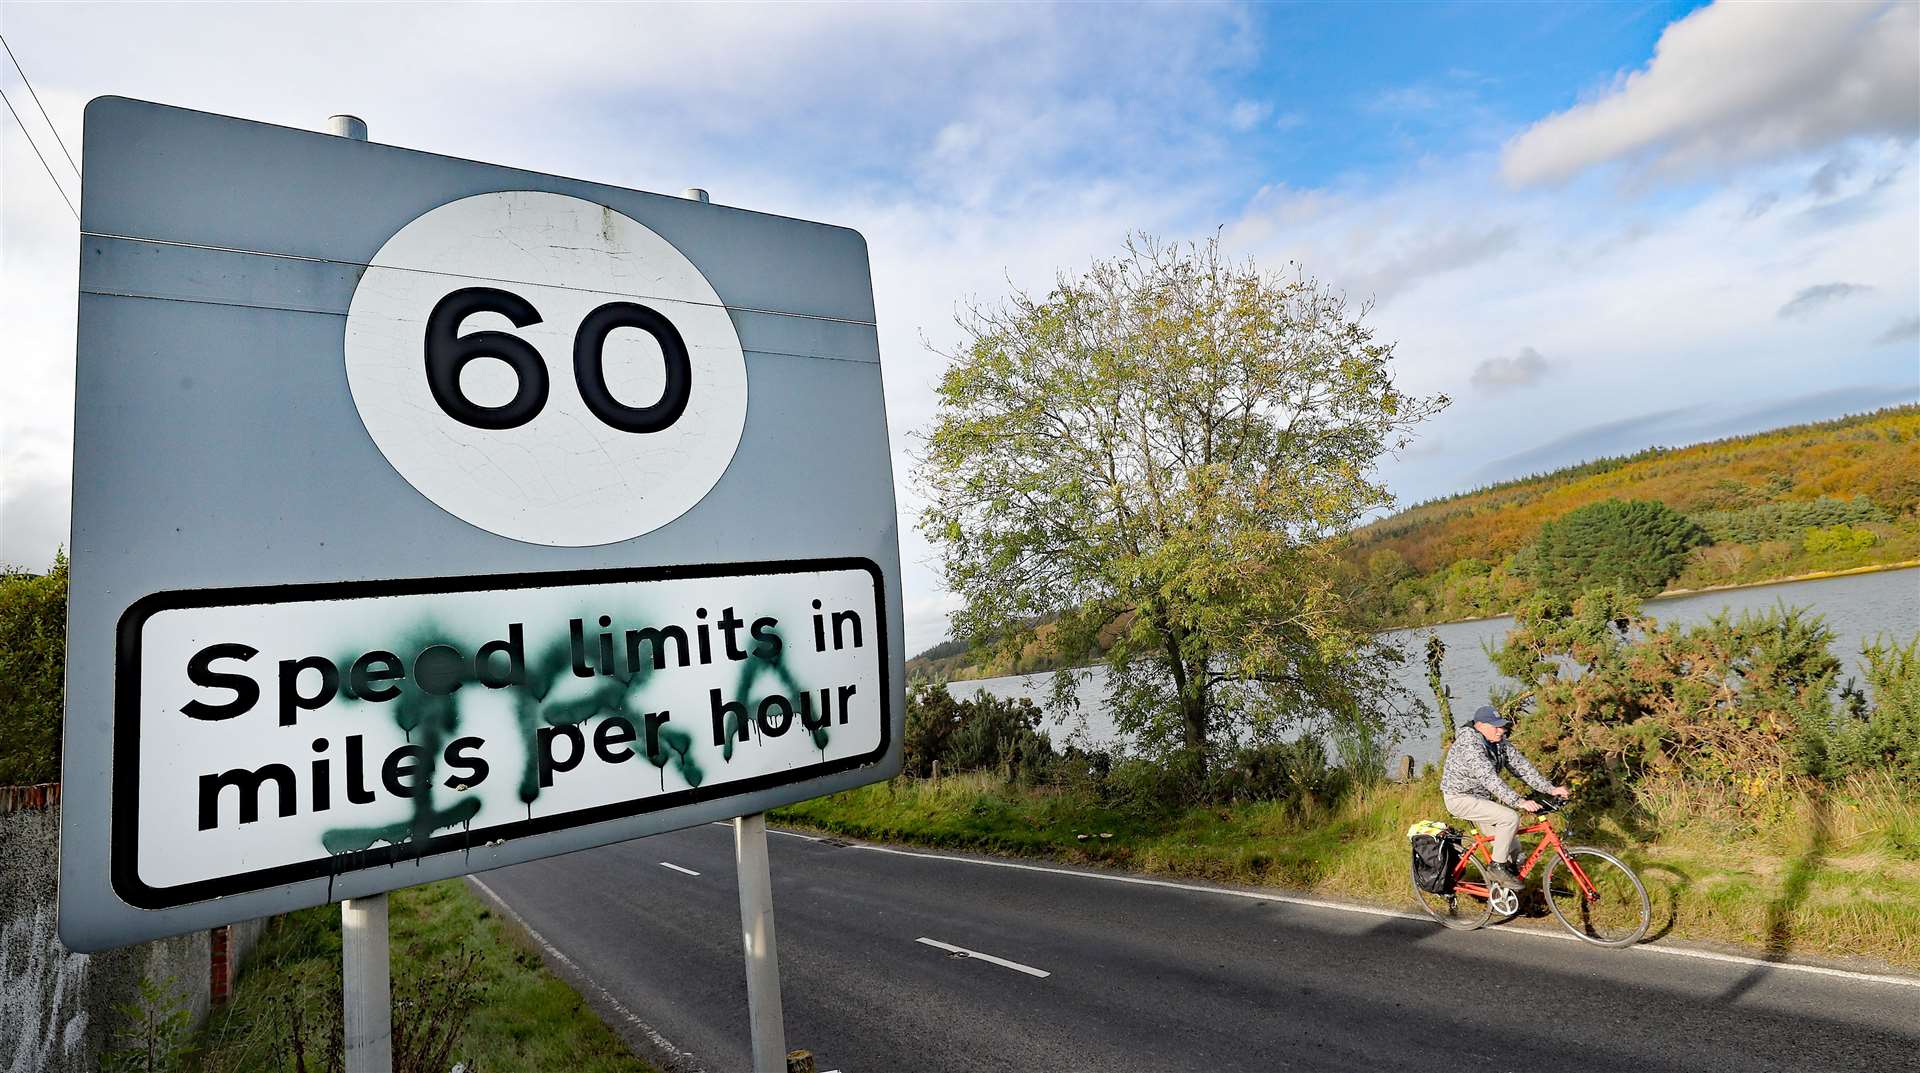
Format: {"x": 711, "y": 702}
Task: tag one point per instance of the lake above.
{"x": 1857, "y": 607}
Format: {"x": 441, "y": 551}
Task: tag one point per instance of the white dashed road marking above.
{"x": 677, "y": 868}
{"x": 978, "y": 956}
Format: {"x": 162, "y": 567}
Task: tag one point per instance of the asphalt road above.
{"x": 1147, "y": 977}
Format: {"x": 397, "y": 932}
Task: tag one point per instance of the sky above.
{"x": 1594, "y": 227}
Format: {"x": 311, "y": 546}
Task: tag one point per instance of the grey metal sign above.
{"x": 431, "y": 516}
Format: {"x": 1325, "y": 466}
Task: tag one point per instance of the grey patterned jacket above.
{"x": 1473, "y": 769}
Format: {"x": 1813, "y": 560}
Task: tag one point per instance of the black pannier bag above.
{"x": 1434, "y": 859}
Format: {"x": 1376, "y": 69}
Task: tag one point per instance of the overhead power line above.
{"x": 38, "y": 153}
{"x": 57, "y": 140}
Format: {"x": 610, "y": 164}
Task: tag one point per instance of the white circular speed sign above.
{"x": 546, "y": 368}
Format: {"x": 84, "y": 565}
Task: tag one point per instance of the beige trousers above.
{"x": 1492, "y": 817}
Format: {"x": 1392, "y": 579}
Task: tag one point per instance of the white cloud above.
{"x": 1526, "y": 367}
{"x": 1735, "y": 84}
{"x": 1246, "y": 114}
{"x": 1674, "y": 302}
{"x": 1366, "y": 245}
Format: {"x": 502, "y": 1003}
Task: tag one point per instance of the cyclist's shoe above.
{"x": 1499, "y": 874}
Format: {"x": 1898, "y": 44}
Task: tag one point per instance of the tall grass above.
{"x": 525, "y": 1018}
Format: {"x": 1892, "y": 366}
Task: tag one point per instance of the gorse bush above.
{"x": 983, "y": 733}
{"x": 1880, "y": 735}
{"x": 1747, "y": 699}
{"x": 33, "y": 646}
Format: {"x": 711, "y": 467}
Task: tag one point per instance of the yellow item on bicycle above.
{"x": 1433, "y": 828}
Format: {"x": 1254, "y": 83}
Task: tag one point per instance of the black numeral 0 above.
{"x": 590, "y": 367}
{"x": 449, "y": 352}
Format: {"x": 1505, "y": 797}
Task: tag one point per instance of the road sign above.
{"x": 431, "y": 516}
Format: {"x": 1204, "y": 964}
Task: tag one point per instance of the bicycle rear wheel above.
{"x": 1616, "y": 913}
{"x": 1457, "y": 910}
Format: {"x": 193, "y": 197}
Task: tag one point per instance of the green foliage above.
{"x": 1293, "y": 773}
{"x": 1635, "y": 545}
{"x": 983, "y": 733}
{"x": 1158, "y": 458}
{"x": 999, "y": 739}
{"x": 1839, "y": 538}
{"x": 33, "y": 646}
{"x": 468, "y": 987}
{"x": 1786, "y": 521}
{"x": 1746, "y": 701}
{"x": 1881, "y": 735}
{"x": 432, "y": 1010}
{"x": 153, "y": 1033}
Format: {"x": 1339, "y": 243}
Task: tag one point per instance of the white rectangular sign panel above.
{"x": 273, "y": 735}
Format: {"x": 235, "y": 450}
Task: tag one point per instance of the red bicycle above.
{"x": 1592, "y": 892}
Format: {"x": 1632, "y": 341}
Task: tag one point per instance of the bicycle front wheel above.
{"x": 1609, "y": 909}
{"x": 1459, "y": 909}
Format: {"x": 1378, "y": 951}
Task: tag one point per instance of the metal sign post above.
{"x": 366, "y": 993}
{"x": 366, "y": 966}
{"x": 767, "y": 1023}
{"x": 756, "y": 936}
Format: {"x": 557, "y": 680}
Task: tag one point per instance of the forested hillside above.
{"x": 1806, "y": 499}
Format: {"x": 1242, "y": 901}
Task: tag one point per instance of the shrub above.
{"x": 983, "y": 733}
{"x": 1635, "y": 545}
{"x": 33, "y": 648}
{"x": 1883, "y": 735}
{"x": 1289, "y": 772}
{"x": 1614, "y": 696}
{"x": 1838, "y": 538}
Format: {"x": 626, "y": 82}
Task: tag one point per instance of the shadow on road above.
{"x": 1793, "y": 891}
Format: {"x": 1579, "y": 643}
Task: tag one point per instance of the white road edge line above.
{"x": 680, "y": 1057}
{"x": 1367, "y": 910}
{"x": 978, "y": 956}
{"x": 677, "y": 868}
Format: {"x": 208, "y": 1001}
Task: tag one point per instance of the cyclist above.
{"x": 1470, "y": 784}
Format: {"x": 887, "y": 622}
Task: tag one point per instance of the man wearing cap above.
{"x": 1471, "y": 785}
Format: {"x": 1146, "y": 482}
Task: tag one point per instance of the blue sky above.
{"x": 1595, "y": 227}
{"x": 1376, "y": 87}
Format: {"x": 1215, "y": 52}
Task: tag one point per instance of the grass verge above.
{"x": 1777, "y": 871}
{"x": 525, "y": 1018}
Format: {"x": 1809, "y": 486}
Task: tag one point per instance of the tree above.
{"x": 1171, "y": 448}
{"x": 1636, "y": 545}
{"x": 33, "y": 663}
{"x": 1442, "y": 692}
